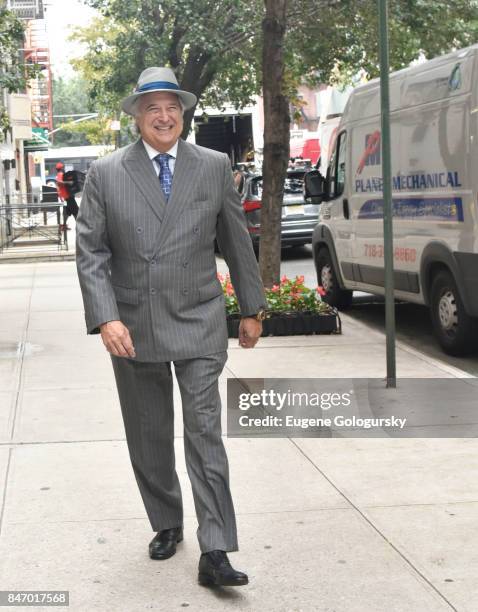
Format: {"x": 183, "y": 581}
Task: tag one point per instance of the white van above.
{"x": 434, "y": 135}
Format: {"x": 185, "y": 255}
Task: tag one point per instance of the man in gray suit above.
{"x": 149, "y": 216}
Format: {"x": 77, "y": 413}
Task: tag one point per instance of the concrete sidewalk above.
{"x": 325, "y": 525}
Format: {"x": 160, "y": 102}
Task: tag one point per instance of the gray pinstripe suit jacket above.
{"x": 151, "y": 264}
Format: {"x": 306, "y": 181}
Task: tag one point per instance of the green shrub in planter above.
{"x": 292, "y": 309}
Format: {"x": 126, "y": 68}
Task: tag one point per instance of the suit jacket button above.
{"x": 139, "y": 230}
{"x": 185, "y": 264}
{"x": 185, "y": 291}
{"x": 153, "y": 291}
{"x": 195, "y": 229}
{"x": 153, "y": 262}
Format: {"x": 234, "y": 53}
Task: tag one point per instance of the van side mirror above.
{"x": 314, "y": 187}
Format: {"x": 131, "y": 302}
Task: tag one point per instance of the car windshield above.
{"x": 293, "y": 184}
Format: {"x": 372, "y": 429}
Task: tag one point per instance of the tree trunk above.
{"x": 187, "y": 119}
{"x": 276, "y": 139}
{"x": 198, "y": 74}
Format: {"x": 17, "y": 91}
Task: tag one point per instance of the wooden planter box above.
{"x": 292, "y": 324}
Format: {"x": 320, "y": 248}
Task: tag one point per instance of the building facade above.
{"x": 31, "y": 111}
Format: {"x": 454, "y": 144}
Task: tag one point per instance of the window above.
{"x": 331, "y": 176}
{"x": 337, "y": 167}
{"x": 336, "y": 171}
{"x": 341, "y": 157}
{"x": 293, "y": 185}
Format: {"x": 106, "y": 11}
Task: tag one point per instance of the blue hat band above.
{"x": 157, "y": 85}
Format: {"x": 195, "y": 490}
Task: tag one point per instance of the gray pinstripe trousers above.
{"x": 146, "y": 397}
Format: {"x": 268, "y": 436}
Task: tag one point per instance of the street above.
{"x": 413, "y": 322}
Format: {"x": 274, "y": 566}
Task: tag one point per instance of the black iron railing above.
{"x": 32, "y": 224}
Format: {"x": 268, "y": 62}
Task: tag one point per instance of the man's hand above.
{"x": 117, "y": 339}
{"x": 250, "y": 330}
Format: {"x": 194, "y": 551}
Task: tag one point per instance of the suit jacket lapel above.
{"x": 185, "y": 177}
{"x": 141, "y": 170}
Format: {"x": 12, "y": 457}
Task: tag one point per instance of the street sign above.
{"x": 34, "y": 145}
{"x": 42, "y": 133}
{"x": 39, "y": 142}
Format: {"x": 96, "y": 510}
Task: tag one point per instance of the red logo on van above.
{"x": 372, "y": 150}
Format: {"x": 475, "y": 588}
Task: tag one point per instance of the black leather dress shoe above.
{"x": 215, "y": 570}
{"x": 163, "y": 545}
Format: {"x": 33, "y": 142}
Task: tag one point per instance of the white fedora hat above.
{"x": 157, "y": 79}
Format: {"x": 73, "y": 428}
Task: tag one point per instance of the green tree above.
{"x": 197, "y": 38}
{"x": 339, "y": 39}
{"x": 12, "y": 72}
{"x": 96, "y": 131}
{"x": 70, "y": 97}
{"x": 214, "y": 46}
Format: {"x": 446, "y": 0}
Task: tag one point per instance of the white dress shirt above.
{"x": 173, "y": 151}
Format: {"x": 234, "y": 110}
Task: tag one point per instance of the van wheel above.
{"x": 454, "y": 329}
{"x": 327, "y": 279}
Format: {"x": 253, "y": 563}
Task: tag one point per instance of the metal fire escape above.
{"x": 36, "y": 51}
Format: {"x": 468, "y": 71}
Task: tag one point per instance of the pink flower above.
{"x": 299, "y": 280}
{"x": 321, "y": 291}
{"x": 220, "y": 277}
{"x": 284, "y": 279}
{"x": 275, "y": 289}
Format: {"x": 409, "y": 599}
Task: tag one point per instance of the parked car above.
{"x": 299, "y": 217}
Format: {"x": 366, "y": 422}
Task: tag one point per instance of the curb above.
{"x": 441, "y": 365}
{"x": 36, "y": 258}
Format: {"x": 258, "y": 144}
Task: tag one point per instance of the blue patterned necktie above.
{"x": 165, "y": 175}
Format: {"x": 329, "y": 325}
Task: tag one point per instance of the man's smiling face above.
{"x": 159, "y": 118}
